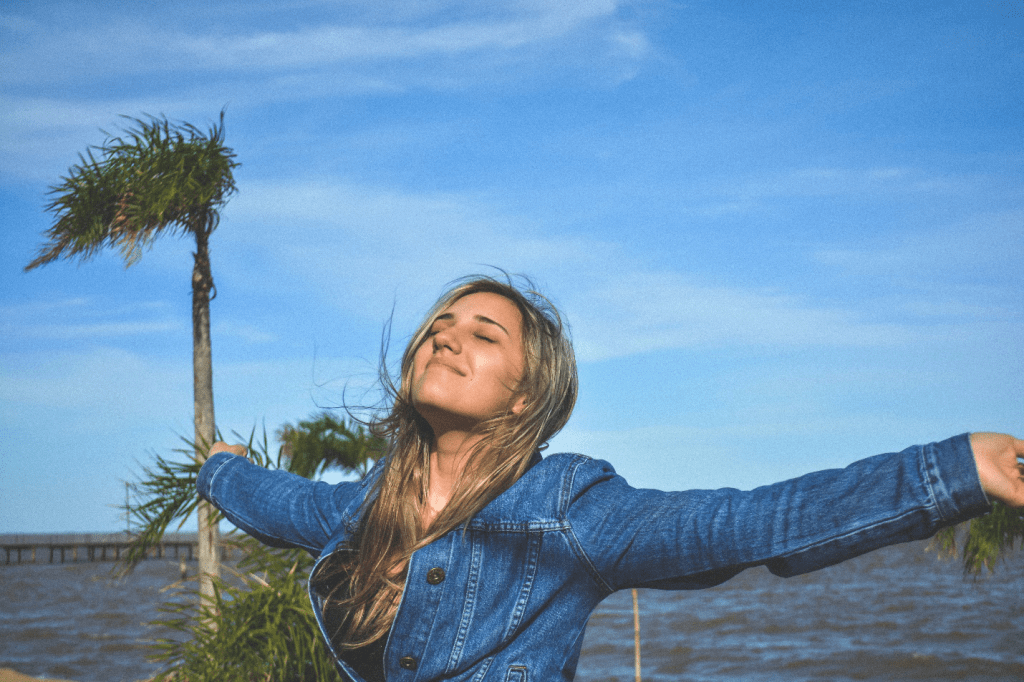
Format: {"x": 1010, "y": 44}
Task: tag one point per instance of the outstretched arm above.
{"x": 699, "y": 538}
{"x": 998, "y": 458}
{"x": 277, "y": 508}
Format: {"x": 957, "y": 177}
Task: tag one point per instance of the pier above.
{"x": 61, "y": 548}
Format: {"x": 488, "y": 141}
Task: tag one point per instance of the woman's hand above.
{"x": 999, "y": 467}
{"x": 224, "y": 447}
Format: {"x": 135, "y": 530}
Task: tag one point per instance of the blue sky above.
{"x": 785, "y": 237}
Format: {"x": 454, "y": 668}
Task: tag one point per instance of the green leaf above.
{"x": 156, "y": 177}
{"x": 983, "y": 540}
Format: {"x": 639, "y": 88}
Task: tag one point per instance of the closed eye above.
{"x": 485, "y": 338}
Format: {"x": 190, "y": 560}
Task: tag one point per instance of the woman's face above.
{"x": 470, "y": 364}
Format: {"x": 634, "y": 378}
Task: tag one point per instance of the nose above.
{"x": 447, "y": 338}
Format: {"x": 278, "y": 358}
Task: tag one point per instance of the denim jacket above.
{"x": 507, "y": 597}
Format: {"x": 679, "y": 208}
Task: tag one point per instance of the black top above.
{"x": 332, "y": 577}
{"x": 368, "y": 660}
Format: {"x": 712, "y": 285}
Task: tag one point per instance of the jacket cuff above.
{"x": 952, "y": 475}
{"x": 208, "y": 472}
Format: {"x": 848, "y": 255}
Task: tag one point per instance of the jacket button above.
{"x": 407, "y": 662}
{"x": 435, "y": 576}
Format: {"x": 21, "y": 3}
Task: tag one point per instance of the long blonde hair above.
{"x": 367, "y": 582}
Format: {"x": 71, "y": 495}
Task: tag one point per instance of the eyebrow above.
{"x": 478, "y": 318}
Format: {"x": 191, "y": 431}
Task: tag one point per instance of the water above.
{"x": 74, "y": 621}
{"x": 898, "y": 614}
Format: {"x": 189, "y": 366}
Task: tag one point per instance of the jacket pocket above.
{"x": 516, "y": 673}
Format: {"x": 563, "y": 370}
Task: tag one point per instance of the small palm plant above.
{"x": 260, "y": 625}
{"x": 983, "y": 540}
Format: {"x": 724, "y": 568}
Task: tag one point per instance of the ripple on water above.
{"x": 894, "y": 614}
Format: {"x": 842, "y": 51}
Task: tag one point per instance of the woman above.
{"x": 463, "y": 555}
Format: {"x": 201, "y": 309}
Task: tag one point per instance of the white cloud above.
{"x": 964, "y": 273}
{"x": 244, "y": 331}
{"x": 361, "y": 247}
{"x": 84, "y": 318}
{"x": 10, "y": 311}
{"x": 329, "y": 44}
{"x": 290, "y": 388}
{"x": 99, "y": 388}
{"x": 750, "y": 193}
{"x": 368, "y": 247}
{"x": 99, "y": 330}
{"x": 101, "y": 384}
{"x": 103, "y": 62}
{"x": 638, "y": 312}
{"x": 43, "y": 136}
{"x": 993, "y": 241}
{"x": 113, "y": 43}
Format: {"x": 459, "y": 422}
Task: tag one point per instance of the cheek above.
{"x": 420, "y": 358}
{"x": 512, "y": 371}
{"x": 504, "y": 377}
{"x": 419, "y": 361}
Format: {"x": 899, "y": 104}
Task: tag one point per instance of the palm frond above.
{"x": 983, "y": 540}
{"x": 325, "y": 441}
{"x": 155, "y": 178}
{"x": 165, "y": 495}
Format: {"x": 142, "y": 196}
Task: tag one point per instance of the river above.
{"x": 897, "y": 614}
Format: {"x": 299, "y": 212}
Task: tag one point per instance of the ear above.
{"x": 519, "y": 405}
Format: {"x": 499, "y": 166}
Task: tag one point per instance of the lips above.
{"x": 447, "y": 365}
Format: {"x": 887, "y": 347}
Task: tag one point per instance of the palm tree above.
{"x": 157, "y": 177}
{"x": 324, "y": 442}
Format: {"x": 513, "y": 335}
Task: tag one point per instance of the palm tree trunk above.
{"x": 202, "y": 367}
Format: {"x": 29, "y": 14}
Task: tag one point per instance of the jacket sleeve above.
{"x": 699, "y": 538}
{"x": 277, "y": 508}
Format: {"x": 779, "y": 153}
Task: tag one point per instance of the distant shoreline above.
{"x": 121, "y": 536}
{"x": 8, "y": 675}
